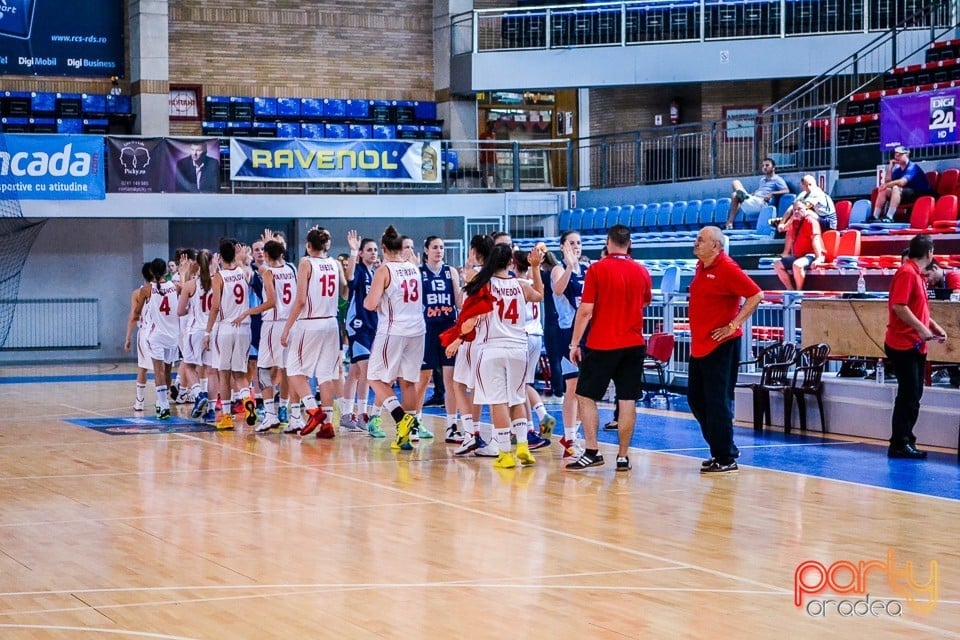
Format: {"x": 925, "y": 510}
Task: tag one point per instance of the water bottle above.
{"x": 861, "y": 284}
{"x": 880, "y": 377}
{"x": 955, "y": 296}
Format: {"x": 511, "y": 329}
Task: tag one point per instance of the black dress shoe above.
{"x": 906, "y": 451}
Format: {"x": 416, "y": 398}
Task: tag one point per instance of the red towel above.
{"x": 478, "y": 304}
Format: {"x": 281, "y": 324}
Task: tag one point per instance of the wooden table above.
{"x": 856, "y": 327}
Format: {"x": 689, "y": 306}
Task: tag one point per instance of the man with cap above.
{"x": 904, "y": 182}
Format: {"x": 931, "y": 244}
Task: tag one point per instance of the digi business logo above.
{"x": 16, "y": 18}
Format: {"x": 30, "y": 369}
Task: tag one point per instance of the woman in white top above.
{"x": 311, "y": 333}
{"x": 139, "y": 318}
{"x": 162, "y": 330}
{"x": 501, "y": 343}
{"x": 194, "y": 309}
{"x": 397, "y": 352}
{"x": 534, "y": 329}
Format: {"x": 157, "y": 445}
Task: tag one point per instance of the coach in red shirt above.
{"x": 909, "y": 328}
{"x": 615, "y": 291}
{"x": 715, "y": 319}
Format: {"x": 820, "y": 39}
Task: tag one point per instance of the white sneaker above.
{"x": 453, "y": 435}
{"x": 138, "y": 405}
{"x": 270, "y": 421}
{"x": 415, "y": 434}
{"x": 294, "y": 426}
{"x": 350, "y": 422}
{"x": 489, "y": 451}
{"x": 468, "y": 445}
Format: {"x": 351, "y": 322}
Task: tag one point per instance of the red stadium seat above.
{"x": 843, "y": 214}
{"x": 932, "y": 177}
{"x": 919, "y": 217}
{"x": 849, "y": 243}
{"x": 944, "y": 216}
{"x": 831, "y": 245}
{"x": 947, "y": 184}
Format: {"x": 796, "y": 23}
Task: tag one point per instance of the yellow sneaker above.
{"x": 505, "y": 461}
{"x": 403, "y": 433}
{"x": 225, "y": 423}
{"x": 523, "y": 454}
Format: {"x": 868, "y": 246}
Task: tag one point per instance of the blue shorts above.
{"x": 360, "y": 344}
{"x": 435, "y": 355}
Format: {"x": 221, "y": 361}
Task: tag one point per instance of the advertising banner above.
{"x": 922, "y": 119}
{"x": 163, "y": 165}
{"x": 51, "y": 167}
{"x": 335, "y": 160}
{"x": 47, "y": 38}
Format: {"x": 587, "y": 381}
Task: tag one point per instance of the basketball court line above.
{"x": 116, "y": 632}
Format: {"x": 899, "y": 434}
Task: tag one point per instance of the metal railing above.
{"x": 659, "y": 21}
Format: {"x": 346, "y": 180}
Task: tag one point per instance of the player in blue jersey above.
{"x": 567, "y": 283}
{"x": 361, "y": 329}
{"x": 441, "y": 299}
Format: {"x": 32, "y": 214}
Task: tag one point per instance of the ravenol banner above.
{"x": 334, "y": 160}
{"x": 51, "y": 167}
{"x": 922, "y": 119}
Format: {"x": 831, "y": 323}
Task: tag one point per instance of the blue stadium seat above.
{"x": 613, "y": 217}
{"x": 662, "y": 222}
{"x": 600, "y": 220}
{"x": 691, "y": 215}
{"x": 586, "y": 221}
{"x": 576, "y": 218}
{"x": 750, "y": 219}
{"x": 707, "y": 209}
{"x": 649, "y": 220}
{"x": 763, "y": 221}
{"x": 721, "y": 211}
{"x": 624, "y": 215}
{"x": 862, "y": 209}
{"x": 636, "y": 217}
{"x": 786, "y": 201}
{"x": 676, "y": 217}
{"x": 563, "y": 221}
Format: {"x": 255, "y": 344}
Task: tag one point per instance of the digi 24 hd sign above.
{"x": 57, "y": 38}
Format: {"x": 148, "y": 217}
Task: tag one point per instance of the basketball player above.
{"x": 567, "y": 284}
{"x": 139, "y": 317}
{"x": 163, "y": 331}
{"x": 361, "y": 329}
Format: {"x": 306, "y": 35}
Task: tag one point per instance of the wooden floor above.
{"x": 232, "y": 535}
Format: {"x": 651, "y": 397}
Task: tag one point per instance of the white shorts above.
{"x": 162, "y": 347}
{"x": 191, "y": 346}
{"x": 314, "y": 349}
{"x": 270, "y": 353}
{"x": 463, "y": 366}
{"x": 393, "y": 357}
{"x": 231, "y": 347}
{"x": 752, "y": 205}
{"x": 143, "y": 351}
{"x": 534, "y": 349}
{"x": 501, "y": 372}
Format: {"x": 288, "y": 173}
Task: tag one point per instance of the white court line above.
{"x": 118, "y": 632}
{"x": 755, "y": 446}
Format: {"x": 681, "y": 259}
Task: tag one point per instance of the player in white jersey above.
{"x": 397, "y": 352}
{"x": 196, "y": 296}
{"x": 162, "y": 329}
{"x": 139, "y": 316}
{"x": 501, "y": 344}
{"x": 312, "y": 334}
{"x": 230, "y": 289}
{"x": 534, "y": 330}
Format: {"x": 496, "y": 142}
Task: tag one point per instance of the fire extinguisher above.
{"x": 675, "y": 111}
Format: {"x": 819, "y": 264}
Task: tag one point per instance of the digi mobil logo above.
{"x": 41, "y": 163}
{"x": 16, "y": 18}
{"x": 814, "y": 583}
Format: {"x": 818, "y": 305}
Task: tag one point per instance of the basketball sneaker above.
{"x": 572, "y": 449}
{"x": 210, "y": 416}
{"x": 535, "y": 442}
{"x": 547, "y": 425}
{"x": 337, "y": 414}
{"x": 404, "y": 428}
{"x": 283, "y": 415}
{"x": 523, "y": 454}
{"x": 315, "y": 418}
{"x": 138, "y": 405}
{"x": 225, "y": 423}
{"x": 425, "y": 433}
{"x": 453, "y": 435}
{"x": 199, "y": 406}
{"x": 469, "y": 444}
{"x": 293, "y": 426}
{"x": 163, "y": 414}
{"x": 415, "y": 434}
{"x": 269, "y": 423}
{"x": 505, "y": 461}
{"x": 363, "y": 420}
{"x": 374, "y": 427}
{"x": 237, "y": 408}
{"x": 349, "y": 422}
{"x": 487, "y": 450}
{"x": 250, "y": 409}
{"x": 326, "y": 432}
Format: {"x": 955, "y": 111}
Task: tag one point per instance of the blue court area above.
{"x": 675, "y": 431}
{"x": 140, "y": 426}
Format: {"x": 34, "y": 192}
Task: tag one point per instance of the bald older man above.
{"x": 716, "y": 315}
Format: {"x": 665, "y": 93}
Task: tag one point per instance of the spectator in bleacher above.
{"x": 813, "y": 197}
{"x": 909, "y": 329}
{"x": 904, "y": 182}
{"x": 771, "y": 187}
{"x": 802, "y": 248}
{"x": 716, "y": 316}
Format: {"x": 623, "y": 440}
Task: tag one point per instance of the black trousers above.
{"x": 909, "y": 367}
{"x": 710, "y": 386}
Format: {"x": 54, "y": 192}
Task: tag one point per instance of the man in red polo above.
{"x": 716, "y": 315}
{"x": 802, "y": 248}
{"x": 909, "y": 328}
{"x": 615, "y": 291}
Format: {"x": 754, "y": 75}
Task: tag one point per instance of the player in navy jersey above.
{"x": 441, "y": 299}
{"x": 361, "y": 329}
{"x": 551, "y": 342}
{"x": 567, "y": 280}
{"x": 256, "y": 320}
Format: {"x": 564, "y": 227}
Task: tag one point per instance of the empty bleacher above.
{"x": 53, "y": 112}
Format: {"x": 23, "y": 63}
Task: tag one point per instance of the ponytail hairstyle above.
{"x": 391, "y": 240}
{"x": 146, "y": 273}
{"x": 273, "y": 249}
{"x": 158, "y": 269}
{"x": 522, "y": 260}
{"x": 498, "y": 260}
{"x": 482, "y": 246}
{"x": 228, "y": 250}
{"x": 318, "y": 238}
{"x": 203, "y": 261}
